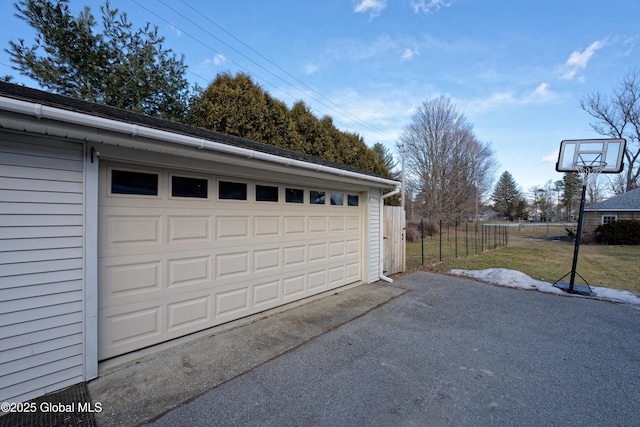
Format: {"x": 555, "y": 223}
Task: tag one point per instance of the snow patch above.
{"x": 517, "y": 279}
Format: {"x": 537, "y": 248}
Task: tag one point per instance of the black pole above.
{"x": 466, "y": 236}
{"x": 455, "y": 236}
{"x": 579, "y": 234}
{"x": 422, "y": 232}
{"x": 440, "y": 240}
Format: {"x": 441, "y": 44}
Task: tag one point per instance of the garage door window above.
{"x": 352, "y": 200}
{"x": 266, "y": 193}
{"x": 316, "y": 197}
{"x": 337, "y": 199}
{"x": 294, "y": 195}
{"x": 182, "y": 186}
{"x": 129, "y": 182}
{"x": 232, "y": 190}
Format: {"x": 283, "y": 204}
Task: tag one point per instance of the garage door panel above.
{"x": 266, "y": 294}
{"x": 232, "y": 227}
{"x": 353, "y": 247}
{"x": 337, "y": 249}
{"x": 189, "y": 271}
{"x": 170, "y": 267}
{"x": 294, "y": 226}
{"x": 336, "y": 275}
{"x": 135, "y": 328}
{"x": 232, "y": 265}
{"x": 318, "y": 252}
{"x": 317, "y": 279}
{"x": 231, "y": 302}
{"x": 132, "y": 230}
{"x": 129, "y": 279}
{"x": 317, "y": 224}
{"x": 294, "y": 256}
{"x": 266, "y": 260}
{"x": 267, "y": 226}
{"x": 294, "y": 286}
{"x": 189, "y": 229}
{"x": 189, "y": 313}
{"x": 353, "y": 223}
{"x": 353, "y": 272}
{"x": 336, "y": 223}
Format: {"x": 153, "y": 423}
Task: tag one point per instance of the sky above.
{"x": 516, "y": 70}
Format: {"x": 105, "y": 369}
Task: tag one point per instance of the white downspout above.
{"x": 381, "y": 260}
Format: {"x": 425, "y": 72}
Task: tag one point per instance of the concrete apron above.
{"x": 142, "y": 387}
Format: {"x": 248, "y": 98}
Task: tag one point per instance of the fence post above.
{"x": 422, "y": 233}
{"x": 466, "y": 236}
{"x": 506, "y": 233}
{"x": 440, "y": 240}
{"x": 455, "y": 236}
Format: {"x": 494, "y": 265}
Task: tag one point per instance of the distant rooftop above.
{"x": 629, "y": 201}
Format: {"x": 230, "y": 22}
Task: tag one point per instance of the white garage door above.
{"x": 184, "y": 251}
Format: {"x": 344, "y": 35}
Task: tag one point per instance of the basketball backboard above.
{"x": 607, "y": 154}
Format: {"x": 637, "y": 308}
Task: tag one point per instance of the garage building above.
{"x": 120, "y": 231}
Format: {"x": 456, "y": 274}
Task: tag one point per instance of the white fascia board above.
{"x": 182, "y": 143}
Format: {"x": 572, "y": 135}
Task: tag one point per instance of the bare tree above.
{"x": 596, "y": 191}
{"x": 618, "y": 116}
{"x": 449, "y": 170}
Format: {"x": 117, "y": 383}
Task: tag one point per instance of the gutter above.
{"x": 381, "y": 261}
{"x": 41, "y": 111}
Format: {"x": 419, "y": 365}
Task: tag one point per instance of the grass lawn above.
{"x": 531, "y": 252}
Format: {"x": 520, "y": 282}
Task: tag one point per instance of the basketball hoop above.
{"x": 587, "y": 157}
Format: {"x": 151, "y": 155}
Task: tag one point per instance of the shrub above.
{"x": 414, "y": 231}
{"x": 624, "y": 232}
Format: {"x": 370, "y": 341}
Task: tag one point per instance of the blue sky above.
{"x": 517, "y": 70}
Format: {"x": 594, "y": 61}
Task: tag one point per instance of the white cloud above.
{"x": 175, "y": 30}
{"x": 499, "y": 100}
{"x": 542, "y": 94}
{"x": 373, "y": 7}
{"x": 550, "y": 158}
{"x": 209, "y": 65}
{"x": 310, "y": 68}
{"x": 219, "y": 59}
{"x": 408, "y": 54}
{"x": 428, "y": 6}
{"x": 579, "y": 60}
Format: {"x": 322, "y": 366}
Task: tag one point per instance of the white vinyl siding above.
{"x": 374, "y": 234}
{"x": 41, "y": 265}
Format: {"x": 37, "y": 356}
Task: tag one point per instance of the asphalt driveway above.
{"x": 450, "y": 351}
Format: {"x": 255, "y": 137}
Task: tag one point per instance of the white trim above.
{"x": 133, "y": 131}
{"x": 91, "y": 190}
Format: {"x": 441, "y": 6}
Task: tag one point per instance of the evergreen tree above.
{"x": 571, "y": 189}
{"x": 235, "y": 105}
{"x": 506, "y": 196}
{"x": 119, "y": 67}
{"x": 384, "y": 156}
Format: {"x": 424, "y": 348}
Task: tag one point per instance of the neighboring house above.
{"x": 120, "y": 231}
{"x": 623, "y": 206}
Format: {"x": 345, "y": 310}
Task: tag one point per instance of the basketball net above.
{"x": 591, "y": 168}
